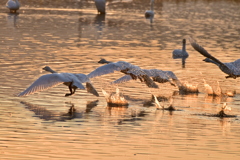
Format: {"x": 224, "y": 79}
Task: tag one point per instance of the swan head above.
{"x": 184, "y": 41}
{"x": 102, "y": 61}
{"x": 47, "y": 68}
{"x": 207, "y": 60}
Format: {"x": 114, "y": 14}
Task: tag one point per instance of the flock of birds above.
{"x": 14, "y": 5}
{"x": 132, "y": 72}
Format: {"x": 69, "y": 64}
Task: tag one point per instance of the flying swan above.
{"x": 135, "y": 72}
{"x": 232, "y": 69}
{"x": 73, "y": 81}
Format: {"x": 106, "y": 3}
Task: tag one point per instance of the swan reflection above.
{"x": 12, "y": 20}
{"x": 48, "y": 115}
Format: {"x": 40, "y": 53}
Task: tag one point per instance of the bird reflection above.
{"x": 90, "y": 105}
{"x": 120, "y": 115}
{"x": 12, "y": 19}
{"x": 93, "y": 27}
{"x": 72, "y": 113}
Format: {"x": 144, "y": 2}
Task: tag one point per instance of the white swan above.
{"x": 149, "y": 14}
{"x": 82, "y": 78}
{"x": 50, "y": 80}
{"x": 13, "y": 5}
{"x": 232, "y": 69}
{"x": 180, "y": 53}
{"x": 101, "y": 6}
{"x": 134, "y": 71}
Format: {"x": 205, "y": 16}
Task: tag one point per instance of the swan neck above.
{"x": 50, "y": 70}
{"x": 179, "y": 84}
{"x": 152, "y": 2}
{"x": 211, "y": 61}
{"x": 17, "y": 2}
{"x": 184, "y": 46}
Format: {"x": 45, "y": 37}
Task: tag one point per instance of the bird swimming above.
{"x": 127, "y": 68}
{"x": 13, "y": 5}
{"x": 149, "y": 14}
{"x": 232, "y": 69}
{"x": 101, "y": 6}
{"x": 181, "y": 53}
{"x": 50, "y": 80}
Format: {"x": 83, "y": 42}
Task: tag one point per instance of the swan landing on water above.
{"x": 127, "y": 68}
{"x": 232, "y": 69}
{"x": 73, "y": 81}
{"x": 13, "y": 5}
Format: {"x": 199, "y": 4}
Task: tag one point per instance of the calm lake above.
{"x": 69, "y": 36}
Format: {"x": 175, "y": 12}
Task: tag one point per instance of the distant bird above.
{"x": 13, "y": 5}
{"x": 181, "y": 53}
{"x": 82, "y": 78}
{"x": 101, "y": 6}
{"x": 134, "y": 71}
{"x": 232, "y": 69}
{"x": 50, "y": 80}
{"x": 149, "y": 14}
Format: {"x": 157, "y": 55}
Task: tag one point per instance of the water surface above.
{"x": 71, "y": 37}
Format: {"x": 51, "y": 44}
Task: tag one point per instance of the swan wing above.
{"x": 122, "y": 79}
{"x": 91, "y": 89}
{"x": 44, "y": 82}
{"x": 236, "y": 67}
{"x": 78, "y": 84}
{"x": 82, "y": 77}
{"x": 202, "y": 51}
{"x": 106, "y": 69}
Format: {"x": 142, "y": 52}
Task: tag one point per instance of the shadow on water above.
{"x": 121, "y": 115}
{"x": 45, "y": 114}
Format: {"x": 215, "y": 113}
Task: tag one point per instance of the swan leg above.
{"x": 71, "y": 89}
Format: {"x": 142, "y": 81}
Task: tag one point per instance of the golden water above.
{"x": 70, "y": 37}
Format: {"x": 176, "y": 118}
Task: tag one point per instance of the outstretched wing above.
{"x": 91, "y": 89}
{"x": 42, "y": 83}
{"x": 203, "y": 52}
{"x": 122, "y": 79}
{"x": 106, "y": 69}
